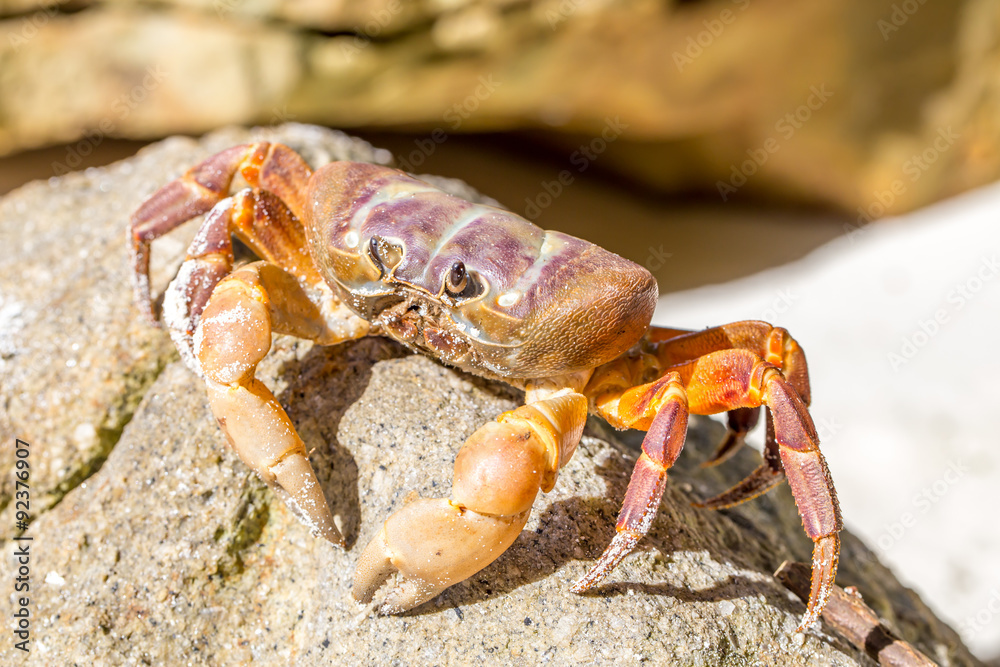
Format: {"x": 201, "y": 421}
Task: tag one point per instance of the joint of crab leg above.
{"x": 764, "y": 478}
{"x": 558, "y": 423}
{"x": 495, "y": 477}
{"x": 190, "y": 195}
{"x": 209, "y": 260}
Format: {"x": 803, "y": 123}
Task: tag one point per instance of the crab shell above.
{"x": 540, "y": 303}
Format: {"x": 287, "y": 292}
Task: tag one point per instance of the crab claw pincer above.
{"x": 432, "y": 544}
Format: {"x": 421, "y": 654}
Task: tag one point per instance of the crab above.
{"x": 357, "y": 249}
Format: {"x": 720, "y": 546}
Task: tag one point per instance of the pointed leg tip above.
{"x": 620, "y": 546}
{"x": 580, "y": 586}
{"x": 807, "y": 623}
{"x": 826, "y": 552}
{"x": 295, "y": 476}
{"x": 331, "y": 534}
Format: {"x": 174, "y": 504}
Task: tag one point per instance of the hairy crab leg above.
{"x": 273, "y": 167}
{"x": 433, "y": 544}
{"x": 232, "y": 338}
{"x": 259, "y": 219}
{"x": 660, "y": 408}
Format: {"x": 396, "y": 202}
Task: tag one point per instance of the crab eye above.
{"x": 384, "y": 255}
{"x": 462, "y": 285}
{"x": 457, "y": 279}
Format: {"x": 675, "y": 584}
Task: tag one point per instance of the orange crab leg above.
{"x": 273, "y": 167}
{"x": 434, "y": 543}
{"x": 738, "y": 378}
{"x": 772, "y": 344}
{"x": 661, "y": 408}
{"x": 721, "y": 381}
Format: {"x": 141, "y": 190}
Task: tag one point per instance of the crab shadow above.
{"x": 320, "y": 388}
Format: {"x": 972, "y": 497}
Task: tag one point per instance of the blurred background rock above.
{"x": 706, "y": 139}
{"x": 834, "y": 97}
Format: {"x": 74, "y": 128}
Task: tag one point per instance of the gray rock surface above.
{"x": 174, "y": 551}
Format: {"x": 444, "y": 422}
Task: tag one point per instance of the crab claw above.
{"x": 498, "y": 472}
{"x": 432, "y": 544}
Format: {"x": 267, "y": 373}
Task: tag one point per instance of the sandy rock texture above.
{"x": 844, "y": 103}
{"x": 174, "y": 551}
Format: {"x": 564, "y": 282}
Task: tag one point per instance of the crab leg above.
{"x": 749, "y": 382}
{"x": 764, "y": 478}
{"x": 273, "y": 167}
{"x": 232, "y": 338}
{"x": 661, "y": 409}
{"x": 261, "y": 221}
{"x": 772, "y": 344}
{"x": 721, "y": 381}
{"x": 739, "y": 422}
{"x": 498, "y": 472}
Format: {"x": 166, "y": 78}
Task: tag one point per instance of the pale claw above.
{"x": 432, "y": 544}
{"x": 295, "y": 475}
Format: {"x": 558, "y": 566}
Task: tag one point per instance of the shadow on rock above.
{"x": 321, "y": 386}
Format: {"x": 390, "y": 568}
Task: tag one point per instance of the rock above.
{"x": 879, "y": 106}
{"x": 173, "y": 548}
